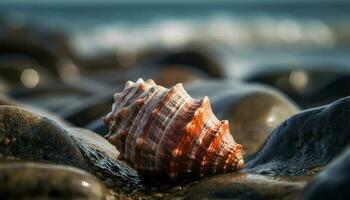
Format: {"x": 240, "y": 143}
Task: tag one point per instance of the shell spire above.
{"x": 162, "y": 131}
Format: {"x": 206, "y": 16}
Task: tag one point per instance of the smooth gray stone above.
{"x": 27, "y": 136}
{"x": 27, "y": 180}
{"x": 244, "y": 187}
{"x": 305, "y": 142}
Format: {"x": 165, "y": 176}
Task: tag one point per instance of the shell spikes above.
{"x": 165, "y": 132}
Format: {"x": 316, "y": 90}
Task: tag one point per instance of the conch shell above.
{"x": 161, "y": 131}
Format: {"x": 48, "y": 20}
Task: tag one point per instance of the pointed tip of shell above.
{"x": 206, "y": 99}
{"x": 175, "y": 153}
{"x": 124, "y": 113}
{"x": 151, "y": 81}
{"x": 139, "y": 80}
{"x": 240, "y": 164}
{"x": 113, "y": 139}
{"x": 140, "y": 142}
{"x": 142, "y": 86}
{"x": 128, "y": 84}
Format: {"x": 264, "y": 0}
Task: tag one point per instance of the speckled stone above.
{"x": 333, "y": 182}
{"x": 305, "y": 142}
{"x": 102, "y": 159}
{"x": 253, "y": 111}
{"x": 244, "y": 187}
{"x": 28, "y": 136}
{"x": 26, "y": 180}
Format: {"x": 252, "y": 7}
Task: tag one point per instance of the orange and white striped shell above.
{"x": 161, "y": 131}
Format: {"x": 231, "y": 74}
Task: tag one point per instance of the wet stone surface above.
{"x": 333, "y": 182}
{"x": 27, "y": 136}
{"x": 244, "y": 186}
{"x": 305, "y": 142}
{"x": 102, "y": 157}
{"x": 296, "y": 150}
{"x": 27, "y": 180}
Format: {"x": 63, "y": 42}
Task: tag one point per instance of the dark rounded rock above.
{"x": 305, "y": 142}
{"x": 19, "y": 72}
{"x": 165, "y": 75}
{"x": 86, "y": 110}
{"x": 245, "y": 186}
{"x": 196, "y": 57}
{"x": 171, "y": 74}
{"x": 26, "y": 180}
{"x": 24, "y": 135}
{"x": 309, "y": 86}
{"x": 53, "y": 97}
{"x": 32, "y": 137}
{"x": 41, "y": 50}
{"x": 333, "y": 182}
{"x": 98, "y": 127}
{"x": 252, "y": 110}
{"x": 168, "y": 68}
{"x": 5, "y": 100}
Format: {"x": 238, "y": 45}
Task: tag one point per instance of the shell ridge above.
{"x": 143, "y": 128}
{"x": 218, "y": 136}
{"x": 214, "y": 138}
{"x": 137, "y": 122}
{"x": 221, "y": 157}
{"x": 201, "y": 152}
{"x": 122, "y": 100}
{"x": 177, "y": 159}
{"x": 191, "y": 154}
{"x": 181, "y": 93}
{"x": 224, "y": 145}
{"x": 212, "y": 121}
{"x": 122, "y": 129}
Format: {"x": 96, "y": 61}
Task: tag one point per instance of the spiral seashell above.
{"x": 162, "y": 131}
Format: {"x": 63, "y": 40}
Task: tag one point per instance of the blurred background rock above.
{"x": 300, "y": 48}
